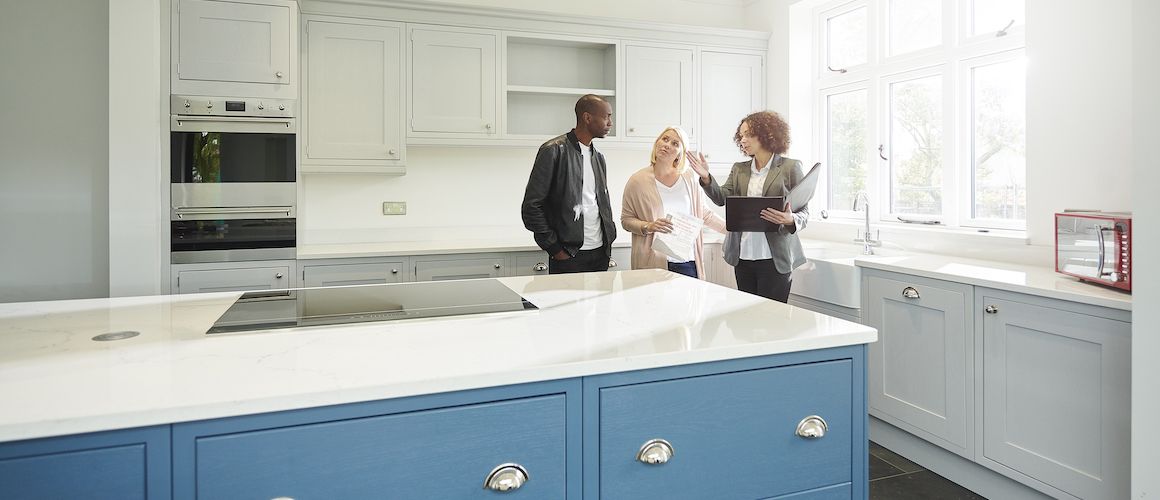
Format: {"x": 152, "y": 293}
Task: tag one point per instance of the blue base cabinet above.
{"x": 727, "y": 429}
{"x": 127, "y": 465}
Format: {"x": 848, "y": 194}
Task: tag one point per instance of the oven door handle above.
{"x": 181, "y": 212}
{"x": 1101, "y": 253}
{"x": 243, "y": 124}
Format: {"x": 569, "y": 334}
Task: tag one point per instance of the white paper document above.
{"x": 679, "y": 243}
{"x": 804, "y": 190}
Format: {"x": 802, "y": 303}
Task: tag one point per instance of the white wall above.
{"x": 53, "y": 149}
{"x": 1146, "y": 274}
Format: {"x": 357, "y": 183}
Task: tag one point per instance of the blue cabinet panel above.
{"x": 123, "y": 465}
{"x": 442, "y": 453}
{"x": 733, "y": 433}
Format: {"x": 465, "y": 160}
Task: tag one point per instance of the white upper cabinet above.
{"x": 453, "y": 82}
{"x": 732, "y": 87}
{"x": 659, "y": 90}
{"x": 235, "y": 49}
{"x": 353, "y": 97}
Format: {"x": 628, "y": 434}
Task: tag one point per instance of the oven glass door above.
{"x": 1086, "y": 247}
{"x": 231, "y": 234}
{"x": 220, "y": 157}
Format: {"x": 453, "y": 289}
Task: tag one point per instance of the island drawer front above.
{"x": 844, "y": 491}
{"x": 440, "y": 453}
{"x": 733, "y": 435}
{"x": 129, "y": 464}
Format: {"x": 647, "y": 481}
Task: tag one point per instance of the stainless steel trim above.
{"x": 238, "y": 255}
{"x": 182, "y": 213}
{"x": 655, "y": 452}
{"x": 812, "y": 427}
{"x": 240, "y": 124}
{"x": 506, "y": 477}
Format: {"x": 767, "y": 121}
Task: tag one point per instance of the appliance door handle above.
{"x": 181, "y": 212}
{"x": 1101, "y": 253}
{"x": 242, "y": 124}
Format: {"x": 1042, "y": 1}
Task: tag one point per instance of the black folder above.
{"x": 743, "y": 213}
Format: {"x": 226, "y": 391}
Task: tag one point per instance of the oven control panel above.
{"x": 231, "y": 106}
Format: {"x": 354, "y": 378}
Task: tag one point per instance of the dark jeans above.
{"x": 760, "y": 277}
{"x": 584, "y": 261}
{"x": 686, "y": 268}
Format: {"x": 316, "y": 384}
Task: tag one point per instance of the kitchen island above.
{"x": 621, "y": 384}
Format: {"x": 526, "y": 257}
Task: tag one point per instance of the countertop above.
{"x": 423, "y": 241}
{"x": 55, "y": 380}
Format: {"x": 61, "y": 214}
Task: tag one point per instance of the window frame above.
{"x": 954, "y": 60}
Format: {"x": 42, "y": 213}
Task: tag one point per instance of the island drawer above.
{"x": 732, "y": 434}
{"x": 439, "y": 453}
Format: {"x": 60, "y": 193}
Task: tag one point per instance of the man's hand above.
{"x": 561, "y": 255}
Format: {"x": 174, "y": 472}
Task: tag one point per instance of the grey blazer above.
{"x": 784, "y": 244}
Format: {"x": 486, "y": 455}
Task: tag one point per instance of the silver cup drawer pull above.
{"x": 506, "y": 477}
{"x": 910, "y": 292}
{"x": 655, "y": 452}
{"x": 812, "y": 427}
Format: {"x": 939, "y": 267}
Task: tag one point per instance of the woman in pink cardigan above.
{"x": 664, "y": 187}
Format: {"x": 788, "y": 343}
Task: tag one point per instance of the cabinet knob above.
{"x": 611, "y": 262}
{"x": 655, "y": 452}
{"x": 506, "y": 477}
{"x": 910, "y": 292}
{"x": 540, "y": 266}
{"x": 187, "y": 104}
{"x": 392, "y": 152}
{"x": 278, "y": 74}
{"x": 632, "y": 129}
{"x": 278, "y": 276}
{"x": 497, "y": 266}
{"x": 991, "y": 309}
{"x": 487, "y": 126}
{"x": 394, "y": 271}
{"x": 281, "y": 107}
{"x": 812, "y": 427}
{"x": 209, "y": 105}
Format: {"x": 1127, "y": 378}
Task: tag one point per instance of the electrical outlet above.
{"x": 394, "y": 208}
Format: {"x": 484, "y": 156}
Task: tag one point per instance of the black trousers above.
{"x": 760, "y": 277}
{"x": 584, "y": 261}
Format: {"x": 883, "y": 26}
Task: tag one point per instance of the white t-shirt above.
{"x": 588, "y": 208}
{"x": 754, "y": 246}
{"x": 675, "y": 200}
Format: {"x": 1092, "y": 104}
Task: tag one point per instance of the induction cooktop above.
{"x": 277, "y": 309}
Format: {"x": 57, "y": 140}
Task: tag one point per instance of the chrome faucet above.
{"x": 867, "y": 239}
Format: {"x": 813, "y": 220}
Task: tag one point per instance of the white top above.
{"x": 588, "y": 208}
{"x": 675, "y": 199}
{"x": 54, "y": 380}
{"x": 754, "y": 246}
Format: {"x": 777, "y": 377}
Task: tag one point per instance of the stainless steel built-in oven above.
{"x": 233, "y": 169}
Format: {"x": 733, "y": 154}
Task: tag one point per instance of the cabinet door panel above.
{"x": 234, "y": 42}
{"x": 353, "y": 274}
{"x": 353, "y": 101}
{"x": 459, "y": 268}
{"x": 126, "y": 464}
{"x": 733, "y": 435}
{"x": 1056, "y": 396}
{"x": 442, "y": 453}
{"x": 453, "y": 82}
{"x": 660, "y": 90}
{"x": 229, "y": 280}
{"x": 921, "y": 368}
{"x": 528, "y": 264}
{"x": 731, "y": 88}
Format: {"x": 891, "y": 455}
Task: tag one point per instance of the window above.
{"x": 928, "y": 116}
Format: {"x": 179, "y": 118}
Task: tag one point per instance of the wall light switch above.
{"x": 394, "y": 208}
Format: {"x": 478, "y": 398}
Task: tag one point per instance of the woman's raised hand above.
{"x": 699, "y": 164}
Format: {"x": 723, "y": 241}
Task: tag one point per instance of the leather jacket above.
{"x": 551, "y": 201}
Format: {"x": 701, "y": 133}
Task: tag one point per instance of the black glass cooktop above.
{"x": 268, "y": 310}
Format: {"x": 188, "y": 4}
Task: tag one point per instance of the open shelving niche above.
{"x": 544, "y": 77}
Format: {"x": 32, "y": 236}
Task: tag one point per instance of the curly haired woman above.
{"x": 762, "y": 262}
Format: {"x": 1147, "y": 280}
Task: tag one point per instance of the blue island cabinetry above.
{"x": 741, "y": 428}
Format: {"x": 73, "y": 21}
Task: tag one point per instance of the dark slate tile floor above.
{"x": 893, "y": 477}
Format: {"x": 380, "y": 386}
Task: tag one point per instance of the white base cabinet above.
{"x": 1055, "y": 393}
{"x": 1035, "y": 389}
{"x": 233, "y": 276}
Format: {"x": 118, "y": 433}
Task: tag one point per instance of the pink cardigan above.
{"x": 642, "y": 205}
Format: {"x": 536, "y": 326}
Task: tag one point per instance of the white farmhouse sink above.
{"x": 830, "y": 275}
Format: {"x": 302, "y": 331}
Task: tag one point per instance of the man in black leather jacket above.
{"x": 566, "y": 204}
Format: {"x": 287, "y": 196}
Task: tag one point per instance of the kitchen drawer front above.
{"x": 460, "y": 267}
{"x": 733, "y": 434}
{"x": 354, "y": 274}
{"x": 441, "y": 453}
{"x": 131, "y": 464}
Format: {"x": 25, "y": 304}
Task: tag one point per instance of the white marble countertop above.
{"x": 54, "y": 380}
{"x": 1042, "y": 281}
